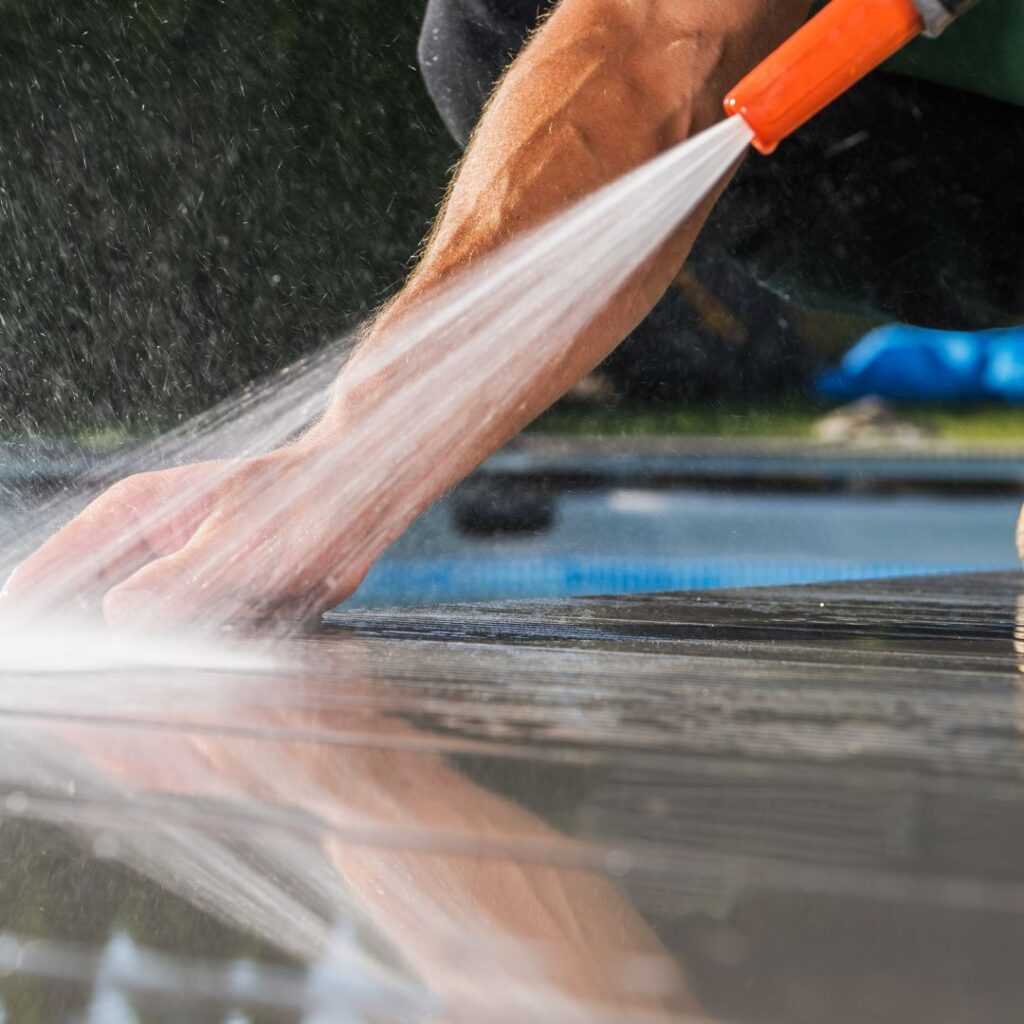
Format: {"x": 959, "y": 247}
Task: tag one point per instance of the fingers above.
{"x": 77, "y": 563}
{"x": 183, "y": 584}
{"x": 204, "y": 544}
{"x": 225, "y": 574}
{"x": 134, "y": 521}
{"x": 193, "y": 586}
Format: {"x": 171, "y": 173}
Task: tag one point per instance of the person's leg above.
{"x": 903, "y": 200}
{"x": 716, "y": 335}
{"x": 464, "y": 47}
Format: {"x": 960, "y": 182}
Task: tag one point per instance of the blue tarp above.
{"x": 916, "y": 364}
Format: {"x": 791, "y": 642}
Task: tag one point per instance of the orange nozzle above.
{"x": 834, "y": 50}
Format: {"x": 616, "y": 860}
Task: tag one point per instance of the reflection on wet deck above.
{"x": 774, "y": 806}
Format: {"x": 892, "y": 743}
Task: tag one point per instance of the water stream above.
{"x": 468, "y": 356}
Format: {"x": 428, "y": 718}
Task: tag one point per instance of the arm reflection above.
{"x": 325, "y": 809}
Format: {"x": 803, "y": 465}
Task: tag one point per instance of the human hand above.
{"x": 209, "y": 542}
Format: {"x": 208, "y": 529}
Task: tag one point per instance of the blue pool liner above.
{"x": 443, "y": 580}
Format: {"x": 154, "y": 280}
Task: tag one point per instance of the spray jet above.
{"x": 831, "y": 53}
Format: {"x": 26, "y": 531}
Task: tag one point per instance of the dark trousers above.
{"x": 904, "y": 200}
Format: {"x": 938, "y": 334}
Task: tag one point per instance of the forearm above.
{"x": 603, "y": 87}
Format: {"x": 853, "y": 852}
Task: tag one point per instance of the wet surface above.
{"x": 781, "y": 805}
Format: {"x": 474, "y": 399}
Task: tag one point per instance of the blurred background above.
{"x": 192, "y": 195}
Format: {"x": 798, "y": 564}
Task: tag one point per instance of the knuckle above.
{"x": 123, "y": 490}
{"x": 131, "y": 490}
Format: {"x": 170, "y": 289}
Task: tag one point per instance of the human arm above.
{"x": 604, "y": 86}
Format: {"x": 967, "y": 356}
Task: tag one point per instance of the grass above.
{"x": 692, "y": 420}
{"x": 966, "y": 424}
{"x": 780, "y": 421}
{"x": 985, "y": 424}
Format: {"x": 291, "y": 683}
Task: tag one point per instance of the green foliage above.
{"x": 195, "y": 192}
{"x": 778, "y": 419}
{"x": 781, "y": 420}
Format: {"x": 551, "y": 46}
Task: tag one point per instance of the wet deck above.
{"x": 780, "y": 805}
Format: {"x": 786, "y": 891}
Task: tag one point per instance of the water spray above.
{"x": 832, "y": 52}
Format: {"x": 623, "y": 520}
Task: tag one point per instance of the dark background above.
{"x": 194, "y": 192}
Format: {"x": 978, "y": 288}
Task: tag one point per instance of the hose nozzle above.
{"x": 832, "y": 52}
